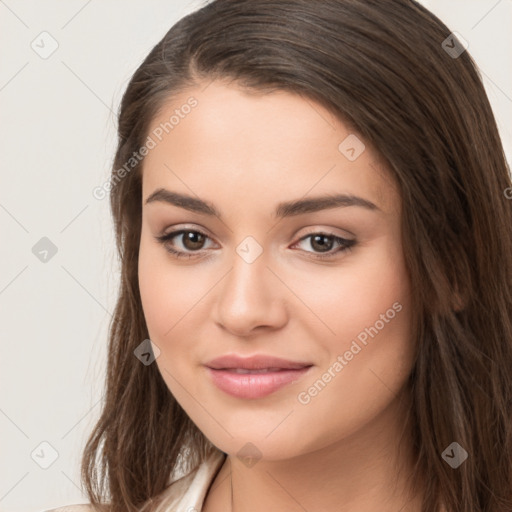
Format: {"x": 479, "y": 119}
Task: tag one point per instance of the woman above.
{"x": 310, "y": 202}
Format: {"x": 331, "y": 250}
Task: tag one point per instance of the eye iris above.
{"x": 316, "y": 238}
{"x": 192, "y": 236}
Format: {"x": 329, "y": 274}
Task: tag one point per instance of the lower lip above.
{"x": 254, "y": 385}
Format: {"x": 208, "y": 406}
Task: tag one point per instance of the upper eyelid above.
{"x": 180, "y": 231}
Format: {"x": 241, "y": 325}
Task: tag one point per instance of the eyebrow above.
{"x": 284, "y": 209}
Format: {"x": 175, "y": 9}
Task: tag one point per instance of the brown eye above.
{"x": 193, "y": 240}
{"x": 322, "y": 244}
{"x": 319, "y": 243}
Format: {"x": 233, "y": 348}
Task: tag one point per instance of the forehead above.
{"x": 242, "y": 144}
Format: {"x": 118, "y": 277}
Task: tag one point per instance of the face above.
{"x": 319, "y": 284}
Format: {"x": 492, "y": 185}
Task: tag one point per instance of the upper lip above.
{"x": 257, "y": 362}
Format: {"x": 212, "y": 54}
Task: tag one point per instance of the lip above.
{"x": 254, "y": 377}
{"x": 256, "y": 362}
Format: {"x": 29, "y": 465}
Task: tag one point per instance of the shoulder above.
{"x": 73, "y": 508}
{"x": 189, "y": 492}
{"x": 186, "y": 493}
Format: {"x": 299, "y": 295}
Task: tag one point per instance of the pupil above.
{"x": 191, "y": 236}
{"x": 322, "y": 246}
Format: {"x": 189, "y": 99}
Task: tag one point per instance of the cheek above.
{"x": 167, "y": 296}
{"x": 358, "y": 295}
{"x": 371, "y": 354}
{"x": 366, "y": 306}
{"x": 168, "y": 292}
{"x": 155, "y": 291}
{"x": 174, "y": 299}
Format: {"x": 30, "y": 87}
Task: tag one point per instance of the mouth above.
{"x": 245, "y": 371}
{"x": 254, "y": 377}
{"x": 255, "y": 362}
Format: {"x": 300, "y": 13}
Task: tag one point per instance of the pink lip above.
{"x": 255, "y": 384}
{"x": 256, "y": 362}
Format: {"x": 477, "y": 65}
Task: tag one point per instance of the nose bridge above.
{"x": 250, "y": 295}
{"x": 247, "y": 280}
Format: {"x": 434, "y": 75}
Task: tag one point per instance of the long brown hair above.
{"x": 386, "y": 68}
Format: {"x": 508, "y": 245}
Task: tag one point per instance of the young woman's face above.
{"x": 245, "y": 175}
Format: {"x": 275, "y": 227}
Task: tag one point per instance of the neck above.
{"x": 363, "y": 472}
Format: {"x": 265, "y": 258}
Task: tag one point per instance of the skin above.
{"x": 245, "y": 153}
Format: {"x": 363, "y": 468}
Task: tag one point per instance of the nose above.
{"x": 250, "y": 298}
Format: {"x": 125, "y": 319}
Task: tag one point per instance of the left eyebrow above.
{"x": 315, "y": 204}
{"x": 283, "y": 209}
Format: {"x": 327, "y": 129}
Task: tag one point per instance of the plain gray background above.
{"x": 57, "y": 137}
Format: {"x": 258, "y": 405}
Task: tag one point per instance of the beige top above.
{"x": 187, "y": 494}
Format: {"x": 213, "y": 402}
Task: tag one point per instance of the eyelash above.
{"x": 346, "y": 245}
